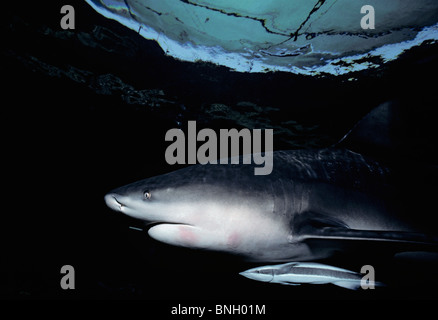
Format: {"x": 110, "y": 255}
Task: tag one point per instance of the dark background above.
{"x": 86, "y": 110}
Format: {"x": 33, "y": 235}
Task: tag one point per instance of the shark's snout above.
{"x": 114, "y": 202}
{"x": 128, "y": 205}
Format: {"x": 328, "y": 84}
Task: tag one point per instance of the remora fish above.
{"x": 315, "y": 204}
{"x": 296, "y": 273}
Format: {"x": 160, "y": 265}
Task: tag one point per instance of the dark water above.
{"x": 86, "y": 111}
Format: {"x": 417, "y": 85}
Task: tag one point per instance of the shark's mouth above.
{"x": 114, "y": 203}
{"x": 120, "y": 204}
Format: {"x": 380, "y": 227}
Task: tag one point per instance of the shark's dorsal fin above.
{"x": 378, "y": 132}
{"x": 395, "y": 130}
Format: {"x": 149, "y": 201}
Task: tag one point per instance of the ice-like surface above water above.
{"x": 298, "y": 36}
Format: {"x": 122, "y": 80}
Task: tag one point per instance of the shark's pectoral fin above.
{"x": 179, "y": 235}
{"x": 405, "y": 241}
{"x": 323, "y": 233}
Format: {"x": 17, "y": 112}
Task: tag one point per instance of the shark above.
{"x": 316, "y": 203}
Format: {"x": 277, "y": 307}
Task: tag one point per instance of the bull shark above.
{"x": 315, "y": 204}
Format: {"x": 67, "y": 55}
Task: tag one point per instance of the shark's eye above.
{"x": 147, "y": 195}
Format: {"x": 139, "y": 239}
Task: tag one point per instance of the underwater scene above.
{"x": 220, "y": 155}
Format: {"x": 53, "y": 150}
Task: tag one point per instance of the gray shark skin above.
{"x": 314, "y": 205}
